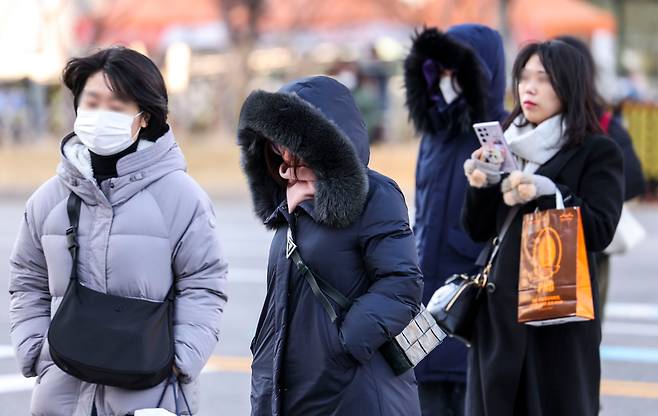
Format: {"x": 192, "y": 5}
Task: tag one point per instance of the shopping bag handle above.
{"x": 559, "y": 200}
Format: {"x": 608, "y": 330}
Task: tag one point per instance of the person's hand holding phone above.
{"x": 483, "y": 169}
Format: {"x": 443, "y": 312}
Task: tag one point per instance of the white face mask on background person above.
{"x": 105, "y": 132}
{"x": 449, "y": 89}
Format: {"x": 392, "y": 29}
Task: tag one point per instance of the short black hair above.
{"x": 574, "y": 86}
{"x": 131, "y": 76}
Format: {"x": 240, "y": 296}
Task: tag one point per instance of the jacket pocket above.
{"x": 42, "y": 370}
{"x": 44, "y": 361}
{"x": 338, "y": 354}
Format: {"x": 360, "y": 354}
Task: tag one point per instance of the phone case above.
{"x": 492, "y": 139}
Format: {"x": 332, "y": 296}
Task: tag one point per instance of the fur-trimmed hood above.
{"x": 476, "y": 54}
{"x": 317, "y": 119}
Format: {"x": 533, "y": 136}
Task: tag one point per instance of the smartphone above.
{"x": 490, "y": 135}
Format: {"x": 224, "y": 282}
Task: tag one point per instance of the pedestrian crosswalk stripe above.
{"x": 13, "y": 383}
{"x": 629, "y": 354}
{"x": 630, "y": 328}
{"x": 640, "y": 311}
{"x": 625, "y": 388}
{"x": 6, "y": 351}
{"x": 239, "y": 364}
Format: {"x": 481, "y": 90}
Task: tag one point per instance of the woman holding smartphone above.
{"x": 554, "y": 134}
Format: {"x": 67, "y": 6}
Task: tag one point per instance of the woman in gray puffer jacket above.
{"x": 144, "y": 224}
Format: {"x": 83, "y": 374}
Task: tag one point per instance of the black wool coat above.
{"x": 515, "y": 369}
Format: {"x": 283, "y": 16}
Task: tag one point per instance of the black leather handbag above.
{"x": 105, "y": 339}
{"x": 455, "y": 305}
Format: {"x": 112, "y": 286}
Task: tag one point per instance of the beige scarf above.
{"x": 535, "y": 145}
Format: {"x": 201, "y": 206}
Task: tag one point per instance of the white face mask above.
{"x": 449, "y": 89}
{"x": 104, "y": 132}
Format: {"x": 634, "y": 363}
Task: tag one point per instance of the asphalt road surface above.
{"x": 629, "y": 350}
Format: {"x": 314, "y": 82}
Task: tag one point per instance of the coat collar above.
{"x": 135, "y": 171}
{"x": 552, "y": 168}
{"x": 281, "y": 215}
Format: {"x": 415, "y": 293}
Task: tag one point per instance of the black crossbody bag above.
{"x": 456, "y": 304}
{"x": 403, "y": 351}
{"x": 106, "y": 339}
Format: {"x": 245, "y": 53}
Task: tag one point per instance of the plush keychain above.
{"x": 493, "y": 155}
{"x": 482, "y": 173}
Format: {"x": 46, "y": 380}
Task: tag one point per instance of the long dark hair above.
{"x": 131, "y": 76}
{"x": 568, "y": 74}
{"x": 591, "y": 66}
{"x": 273, "y": 160}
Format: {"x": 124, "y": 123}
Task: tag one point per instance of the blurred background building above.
{"x": 213, "y": 52}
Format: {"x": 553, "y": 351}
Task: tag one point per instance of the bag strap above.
{"x": 503, "y": 231}
{"x": 322, "y": 290}
{"x": 173, "y": 381}
{"x": 490, "y": 254}
{"x": 73, "y": 207}
{"x": 559, "y": 204}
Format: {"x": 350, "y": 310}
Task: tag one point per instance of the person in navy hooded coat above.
{"x": 305, "y": 152}
{"x": 452, "y": 80}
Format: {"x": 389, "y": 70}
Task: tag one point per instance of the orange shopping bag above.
{"x": 554, "y": 280}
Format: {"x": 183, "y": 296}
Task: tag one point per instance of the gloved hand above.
{"x": 439, "y": 300}
{"x": 481, "y": 174}
{"x": 520, "y": 188}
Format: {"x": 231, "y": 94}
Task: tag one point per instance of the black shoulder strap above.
{"x": 488, "y": 253}
{"x": 73, "y": 206}
{"x": 173, "y": 382}
{"x": 320, "y": 288}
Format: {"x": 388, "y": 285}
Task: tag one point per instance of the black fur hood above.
{"x": 475, "y": 53}
{"x": 316, "y": 119}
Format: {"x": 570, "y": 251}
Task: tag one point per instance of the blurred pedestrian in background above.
{"x": 452, "y": 80}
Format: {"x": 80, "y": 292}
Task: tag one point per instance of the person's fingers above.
{"x": 510, "y": 198}
{"x": 477, "y": 179}
{"x": 478, "y": 154}
{"x": 515, "y": 178}
{"x": 506, "y": 186}
{"x": 527, "y": 191}
{"x": 469, "y": 166}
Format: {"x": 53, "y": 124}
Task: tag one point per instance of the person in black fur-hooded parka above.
{"x": 305, "y": 152}
{"x": 452, "y": 80}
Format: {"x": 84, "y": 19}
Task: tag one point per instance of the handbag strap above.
{"x": 559, "y": 204}
{"x": 173, "y": 381}
{"x": 322, "y": 290}
{"x": 499, "y": 238}
{"x": 73, "y": 207}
